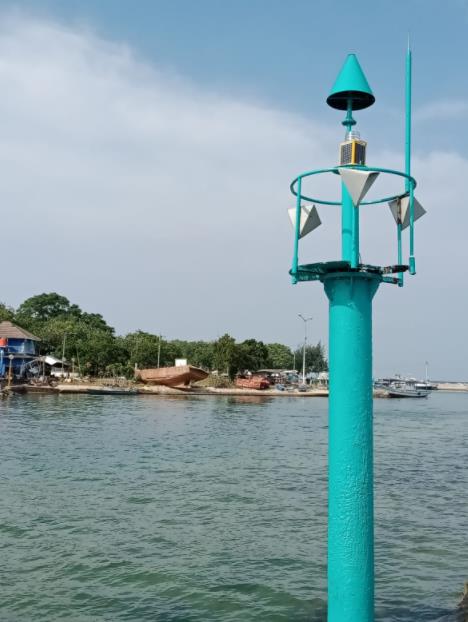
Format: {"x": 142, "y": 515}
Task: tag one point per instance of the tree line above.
{"x": 87, "y": 339}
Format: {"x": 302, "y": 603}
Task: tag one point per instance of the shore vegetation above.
{"x": 86, "y": 338}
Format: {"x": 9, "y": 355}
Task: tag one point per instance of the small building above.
{"x": 18, "y": 348}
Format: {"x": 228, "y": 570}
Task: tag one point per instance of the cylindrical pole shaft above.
{"x": 297, "y": 229}
{"x": 63, "y": 352}
{"x": 349, "y": 229}
{"x": 349, "y": 213}
{"x": 408, "y": 117}
{"x": 304, "y": 353}
{"x": 350, "y": 504}
{"x": 346, "y": 224}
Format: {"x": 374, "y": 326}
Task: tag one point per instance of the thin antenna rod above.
{"x": 407, "y": 151}
{"x": 408, "y": 114}
{"x": 409, "y": 185}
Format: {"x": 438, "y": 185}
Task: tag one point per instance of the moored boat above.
{"x": 171, "y": 376}
{"x": 426, "y": 386}
{"x": 111, "y": 391}
{"x": 405, "y": 389}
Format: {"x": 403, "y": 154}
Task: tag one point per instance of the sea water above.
{"x": 215, "y": 508}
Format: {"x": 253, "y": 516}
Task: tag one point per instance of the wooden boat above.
{"x": 253, "y": 382}
{"x": 171, "y": 376}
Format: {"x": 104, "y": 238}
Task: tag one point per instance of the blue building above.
{"x": 18, "y": 348}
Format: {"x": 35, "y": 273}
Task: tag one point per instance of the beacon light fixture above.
{"x": 310, "y": 219}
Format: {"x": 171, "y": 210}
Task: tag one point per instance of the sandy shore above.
{"x": 183, "y": 391}
{"x": 154, "y": 390}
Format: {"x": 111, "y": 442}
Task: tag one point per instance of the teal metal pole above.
{"x": 355, "y": 238}
{"x": 409, "y": 184}
{"x": 348, "y": 225}
{"x": 349, "y": 213}
{"x": 297, "y": 230}
{"x": 350, "y": 495}
{"x": 408, "y": 117}
{"x": 412, "y": 261}
{"x": 399, "y": 254}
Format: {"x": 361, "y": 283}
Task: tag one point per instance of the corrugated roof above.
{"x": 8, "y": 330}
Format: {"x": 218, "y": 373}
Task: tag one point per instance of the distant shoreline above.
{"x": 85, "y": 388}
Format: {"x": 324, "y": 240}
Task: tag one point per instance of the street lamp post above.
{"x": 10, "y": 369}
{"x": 305, "y": 320}
{"x": 159, "y": 349}
{"x": 64, "y": 341}
{"x": 350, "y": 286}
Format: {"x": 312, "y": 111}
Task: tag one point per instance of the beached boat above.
{"x": 252, "y": 382}
{"x": 171, "y": 376}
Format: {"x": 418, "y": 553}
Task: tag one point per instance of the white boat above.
{"x": 425, "y": 385}
{"x": 405, "y": 388}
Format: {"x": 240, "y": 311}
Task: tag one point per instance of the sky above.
{"x": 146, "y": 152}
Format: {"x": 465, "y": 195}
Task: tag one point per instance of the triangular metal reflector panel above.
{"x": 395, "y": 209}
{"x": 401, "y": 213}
{"x": 357, "y": 182}
{"x": 310, "y": 219}
{"x": 405, "y": 212}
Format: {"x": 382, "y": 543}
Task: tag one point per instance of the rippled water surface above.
{"x": 204, "y": 509}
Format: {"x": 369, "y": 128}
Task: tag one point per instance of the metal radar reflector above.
{"x": 401, "y": 212}
{"x": 357, "y": 182}
{"x": 309, "y": 220}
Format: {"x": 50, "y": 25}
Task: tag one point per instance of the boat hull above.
{"x": 111, "y": 391}
{"x": 255, "y": 382}
{"x": 407, "y": 392}
{"x": 171, "y": 376}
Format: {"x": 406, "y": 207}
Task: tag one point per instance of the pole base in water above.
{"x": 350, "y": 497}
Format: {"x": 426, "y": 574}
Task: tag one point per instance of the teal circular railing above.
{"x": 335, "y": 170}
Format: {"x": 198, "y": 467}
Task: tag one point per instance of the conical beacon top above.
{"x": 351, "y": 84}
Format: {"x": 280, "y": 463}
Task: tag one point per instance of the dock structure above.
{"x": 350, "y": 286}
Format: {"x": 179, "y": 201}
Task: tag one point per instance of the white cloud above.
{"x": 442, "y": 110}
{"x": 164, "y": 206}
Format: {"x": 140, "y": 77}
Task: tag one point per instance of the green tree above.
{"x": 142, "y": 349}
{"x": 65, "y": 329}
{"x": 252, "y": 355}
{"x": 280, "y": 356}
{"x": 316, "y": 360}
{"x": 6, "y": 313}
{"x": 44, "y": 307}
{"x": 198, "y": 353}
{"x": 170, "y": 351}
{"x": 225, "y": 357}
